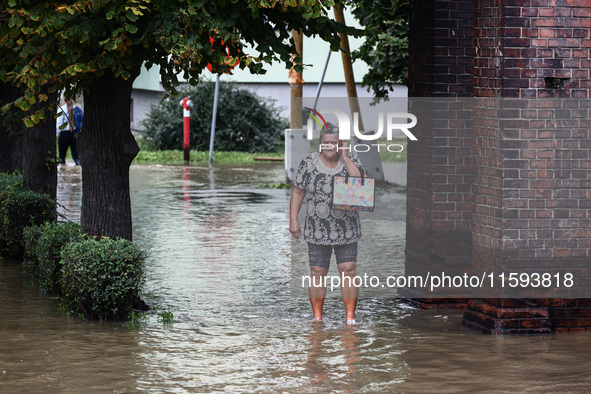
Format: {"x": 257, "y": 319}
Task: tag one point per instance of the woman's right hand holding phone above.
{"x": 343, "y": 149}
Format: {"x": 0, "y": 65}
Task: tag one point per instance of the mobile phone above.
{"x": 341, "y": 144}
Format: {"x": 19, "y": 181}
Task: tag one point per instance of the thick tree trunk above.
{"x": 11, "y": 142}
{"x": 107, "y": 148}
{"x": 39, "y": 165}
{"x": 11, "y": 151}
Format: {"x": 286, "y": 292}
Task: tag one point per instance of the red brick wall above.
{"x": 488, "y": 169}
{"x": 532, "y": 163}
{"x": 439, "y": 203}
{"x": 441, "y": 48}
{"x": 532, "y": 157}
{"x": 520, "y": 42}
{"x": 508, "y": 189}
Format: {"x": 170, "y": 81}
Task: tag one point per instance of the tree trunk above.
{"x": 11, "y": 142}
{"x": 39, "y": 165}
{"x": 107, "y": 148}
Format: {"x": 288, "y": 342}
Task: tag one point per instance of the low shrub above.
{"x": 10, "y": 181}
{"x": 43, "y": 246}
{"x": 101, "y": 278}
{"x": 246, "y": 122}
{"x": 20, "y": 208}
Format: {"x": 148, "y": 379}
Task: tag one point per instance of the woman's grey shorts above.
{"x": 320, "y": 254}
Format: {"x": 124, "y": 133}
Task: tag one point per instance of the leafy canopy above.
{"x": 386, "y": 45}
{"x": 66, "y": 45}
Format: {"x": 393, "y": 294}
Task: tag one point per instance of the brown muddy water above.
{"x": 222, "y": 261}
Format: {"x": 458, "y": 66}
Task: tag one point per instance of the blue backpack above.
{"x": 78, "y": 118}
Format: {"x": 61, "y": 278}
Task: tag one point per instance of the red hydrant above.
{"x": 187, "y": 105}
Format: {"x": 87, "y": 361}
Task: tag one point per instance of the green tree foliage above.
{"x": 70, "y": 45}
{"x": 245, "y": 122}
{"x": 386, "y": 45}
{"x": 98, "y": 46}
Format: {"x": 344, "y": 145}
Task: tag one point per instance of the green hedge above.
{"x": 95, "y": 278}
{"x": 10, "y": 181}
{"x": 101, "y": 278}
{"x": 20, "y": 208}
{"x": 43, "y": 246}
{"x": 246, "y": 122}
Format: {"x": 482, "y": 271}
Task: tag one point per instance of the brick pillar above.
{"x": 439, "y": 200}
{"x": 532, "y": 192}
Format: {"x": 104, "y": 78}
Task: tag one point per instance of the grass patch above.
{"x": 148, "y": 154}
{"x": 390, "y": 187}
{"x": 397, "y": 157}
{"x": 166, "y": 317}
{"x": 275, "y": 186}
{"x": 177, "y": 157}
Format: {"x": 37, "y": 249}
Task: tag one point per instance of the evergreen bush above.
{"x": 20, "y": 208}
{"x": 246, "y": 122}
{"x": 10, "y": 181}
{"x": 43, "y": 246}
{"x": 101, "y": 277}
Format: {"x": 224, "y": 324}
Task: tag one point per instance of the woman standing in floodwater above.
{"x": 325, "y": 228}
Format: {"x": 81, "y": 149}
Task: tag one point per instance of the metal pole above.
{"x": 322, "y": 78}
{"x": 214, "y": 116}
{"x": 187, "y": 104}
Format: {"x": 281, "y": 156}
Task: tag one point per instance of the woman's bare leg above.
{"x": 317, "y": 290}
{"x": 349, "y": 291}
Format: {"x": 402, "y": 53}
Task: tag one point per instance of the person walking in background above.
{"x": 326, "y": 228}
{"x": 68, "y": 126}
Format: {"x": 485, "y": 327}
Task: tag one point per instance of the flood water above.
{"x": 221, "y": 259}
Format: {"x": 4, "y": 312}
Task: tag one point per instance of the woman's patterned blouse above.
{"x": 324, "y": 225}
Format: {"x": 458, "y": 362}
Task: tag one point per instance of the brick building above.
{"x": 499, "y": 182}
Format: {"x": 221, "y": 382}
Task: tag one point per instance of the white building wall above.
{"x": 141, "y": 101}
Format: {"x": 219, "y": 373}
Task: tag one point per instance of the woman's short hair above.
{"x": 330, "y": 129}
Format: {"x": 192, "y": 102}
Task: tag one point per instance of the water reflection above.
{"x": 221, "y": 259}
{"x": 69, "y": 192}
{"x": 43, "y": 350}
{"x": 332, "y": 357}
